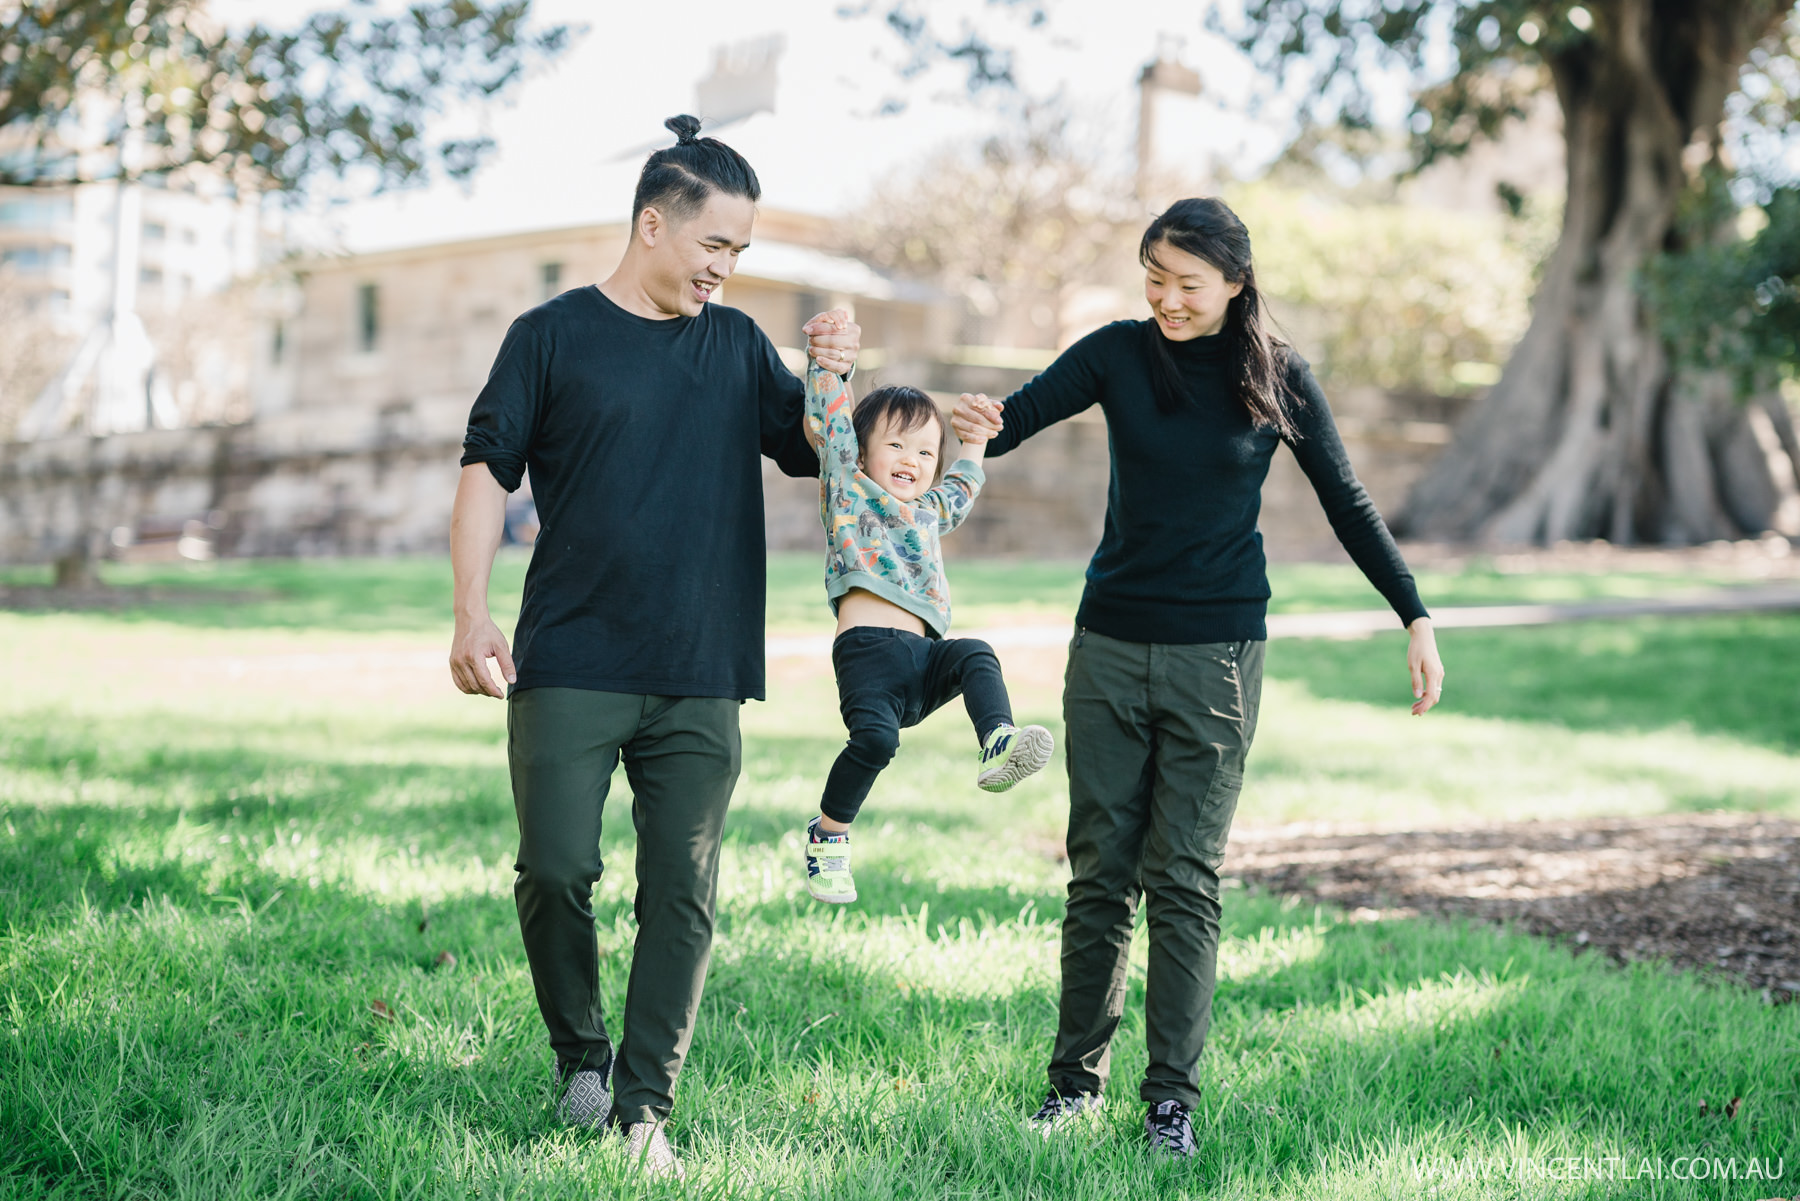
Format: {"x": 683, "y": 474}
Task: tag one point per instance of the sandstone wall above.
{"x": 308, "y": 484}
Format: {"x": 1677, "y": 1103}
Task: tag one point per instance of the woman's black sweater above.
{"x": 1181, "y": 559}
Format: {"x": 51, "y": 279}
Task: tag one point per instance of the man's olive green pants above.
{"x": 1156, "y": 736}
{"x": 681, "y": 756}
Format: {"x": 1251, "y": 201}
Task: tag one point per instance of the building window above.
{"x": 551, "y": 281}
{"x": 154, "y": 231}
{"x": 35, "y": 260}
{"x": 368, "y": 316}
{"x": 278, "y": 343}
{"x": 150, "y": 277}
{"x": 37, "y": 211}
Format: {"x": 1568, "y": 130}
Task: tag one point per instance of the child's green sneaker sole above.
{"x": 1002, "y": 766}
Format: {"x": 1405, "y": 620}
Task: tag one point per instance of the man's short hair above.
{"x": 678, "y": 181}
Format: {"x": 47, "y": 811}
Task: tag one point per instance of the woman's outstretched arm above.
{"x": 1360, "y": 528}
{"x": 1064, "y": 388}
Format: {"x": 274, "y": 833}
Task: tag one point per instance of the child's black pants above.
{"x": 891, "y": 679}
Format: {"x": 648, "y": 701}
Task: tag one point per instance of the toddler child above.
{"x": 884, "y": 507}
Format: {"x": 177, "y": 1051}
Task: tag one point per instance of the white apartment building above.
{"x": 57, "y": 245}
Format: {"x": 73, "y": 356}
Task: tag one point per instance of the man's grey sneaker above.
{"x": 586, "y": 1100}
{"x": 1059, "y": 1111}
{"x": 1170, "y": 1129}
{"x": 649, "y": 1150}
{"x": 1010, "y": 753}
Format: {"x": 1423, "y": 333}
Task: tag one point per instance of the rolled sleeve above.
{"x": 504, "y": 417}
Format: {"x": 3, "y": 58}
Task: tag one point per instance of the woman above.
{"x": 1165, "y": 669}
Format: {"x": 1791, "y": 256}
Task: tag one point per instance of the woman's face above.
{"x": 1187, "y": 294}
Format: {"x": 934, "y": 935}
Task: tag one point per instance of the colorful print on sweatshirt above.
{"x": 874, "y": 540}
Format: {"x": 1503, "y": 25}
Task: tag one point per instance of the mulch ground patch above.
{"x": 1716, "y": 891}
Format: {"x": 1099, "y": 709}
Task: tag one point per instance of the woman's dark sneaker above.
{"x": 586, "y": 1099}
{"x": 1058, "y": 1111}
{"x": 1170, "y": 1129}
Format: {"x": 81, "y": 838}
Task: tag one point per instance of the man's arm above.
{"x": 476, "y": 523}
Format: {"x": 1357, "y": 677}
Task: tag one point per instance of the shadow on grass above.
{"x": 1717, "y": 675}
{"x": 1352, "y": 1039}
{"x": 1363, "y": 1037}
{"x": 1383, "y": 1038}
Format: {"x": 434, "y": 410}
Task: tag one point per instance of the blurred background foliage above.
{"x": 1399, "y": 296}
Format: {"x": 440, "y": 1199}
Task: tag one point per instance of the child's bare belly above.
{"x": 860, "y": 608}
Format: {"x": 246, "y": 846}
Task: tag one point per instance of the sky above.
{"x": 572, "y": 137}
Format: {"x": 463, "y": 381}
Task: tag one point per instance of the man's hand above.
{"x": 477, "y": 520}
{"x": 976, "y": 418}
{"x": 832, "y": 339}
{"x": 478, "y": 640}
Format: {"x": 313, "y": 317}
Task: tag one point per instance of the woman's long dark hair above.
{"x": 1209, "y": 230}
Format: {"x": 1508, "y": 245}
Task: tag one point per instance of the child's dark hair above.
{"x": 1208, "y": 229}
{"x": 909, "y": 409}
{"x": 678, "y": 181}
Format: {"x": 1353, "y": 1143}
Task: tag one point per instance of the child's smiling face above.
{"x": 904, "y": 462}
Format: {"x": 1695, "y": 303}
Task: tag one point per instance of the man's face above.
{"x": 690, "y": 258}
{"x": 903, "y": 462}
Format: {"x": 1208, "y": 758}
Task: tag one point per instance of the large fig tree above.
{"x": 1617, "y": 415}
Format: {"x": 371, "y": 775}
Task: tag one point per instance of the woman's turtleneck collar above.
{"x": 1208, "y": 348}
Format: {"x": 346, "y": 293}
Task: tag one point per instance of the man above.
{"x": 641, "y": 411}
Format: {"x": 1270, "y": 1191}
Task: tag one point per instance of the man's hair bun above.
{"x": 685, "y": 128}
{"x": 678, "y": 179}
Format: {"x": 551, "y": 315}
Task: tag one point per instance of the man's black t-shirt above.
{"x": 643, "y": 440}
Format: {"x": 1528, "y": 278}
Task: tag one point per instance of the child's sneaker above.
{"x": 1010, "y": 754}
{"x": 828, "y": 866}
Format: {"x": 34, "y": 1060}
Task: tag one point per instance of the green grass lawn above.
{"x": 227, "y": 831}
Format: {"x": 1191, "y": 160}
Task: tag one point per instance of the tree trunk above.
{"x": 77, "y": 568}
{"x": 1591, "y": 431}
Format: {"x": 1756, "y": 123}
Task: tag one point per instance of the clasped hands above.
{"x": 976, "y": 418}
{"x": 832, "y": 339}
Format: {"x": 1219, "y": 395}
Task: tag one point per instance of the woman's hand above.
{"x": 833, "y": 340}
{"x": 976, "y": 419}
{"x": 1426, "y": 668}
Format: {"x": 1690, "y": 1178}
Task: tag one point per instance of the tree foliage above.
{"x": 982, "y": 53}
{"x": 346, "y": 90}
{"x": 1011, "y": 227}
{"x": 1393, "y": 295}
{"x": 1478, "y": 61}
{"x": 1489, "y": 57}
{"x": 1734, "y": 304}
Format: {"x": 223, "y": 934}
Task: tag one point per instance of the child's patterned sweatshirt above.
{"x": 875, "y": 541}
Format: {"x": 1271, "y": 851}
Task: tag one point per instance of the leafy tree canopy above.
{"x": 1473, "y": 64}
{"x": 1723, "y": 301}
{"x": 347, "y": 91}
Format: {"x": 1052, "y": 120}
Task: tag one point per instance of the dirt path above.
{"x": 1778, "y": 598}
{"x": 1718, "y": 891}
